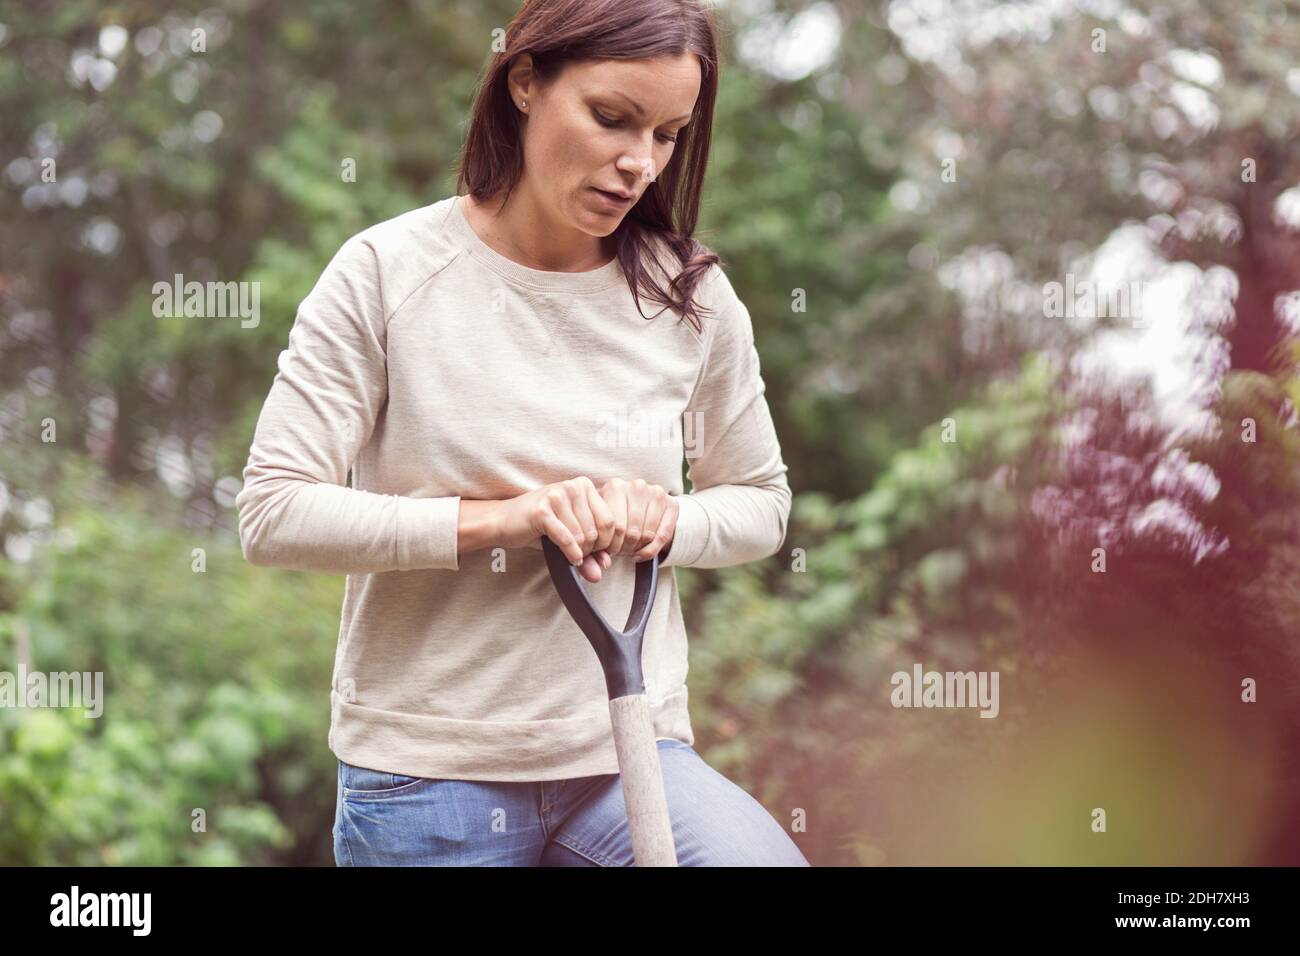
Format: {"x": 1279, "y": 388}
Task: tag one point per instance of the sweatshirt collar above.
{"x": 592, "y": 280}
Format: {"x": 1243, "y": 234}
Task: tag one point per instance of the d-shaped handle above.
{"x": 619, "y": 651}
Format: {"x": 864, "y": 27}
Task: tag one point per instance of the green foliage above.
{"x": 215, "y": 688}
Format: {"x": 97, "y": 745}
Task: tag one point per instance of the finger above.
{"x": 583, "y": 497}
{"x": 665, "y": 530}
{"x": 654, "y": 514}
{"x": 638, "y": 502}
{"x": 559, "y": 532}
{"x": 616, "y": 498}
{"x": 604, "y": 519}
{"x": 586, "y": 530}
{"x": 605, "y": 559}
{"x": 591, "y": 569}
{"x": 564, "y": 512}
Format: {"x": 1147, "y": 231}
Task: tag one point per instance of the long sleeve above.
{"x": 739, "y": 503}
{"x": 295, "y": 510}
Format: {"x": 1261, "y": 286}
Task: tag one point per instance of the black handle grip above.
{"x": 619, "y": 651}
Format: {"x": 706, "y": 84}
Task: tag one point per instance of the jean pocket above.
{"x": 674, "y": 742}
{"x": 366, "y": 783}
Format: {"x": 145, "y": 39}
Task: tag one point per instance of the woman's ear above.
{"x": 519, "y": 80}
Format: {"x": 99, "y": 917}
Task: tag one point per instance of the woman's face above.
{"x": 600, "y": 125}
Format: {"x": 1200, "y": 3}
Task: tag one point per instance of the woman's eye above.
{"x": 611, "y": 123}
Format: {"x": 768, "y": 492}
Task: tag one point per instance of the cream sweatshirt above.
{"x": 436, "y": 368}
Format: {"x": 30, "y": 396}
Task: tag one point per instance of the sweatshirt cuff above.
{"x": 427, "y": 532}
{"x": 691, "y": 535}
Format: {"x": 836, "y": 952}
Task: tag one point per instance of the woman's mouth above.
{"x": 612, "y": 200}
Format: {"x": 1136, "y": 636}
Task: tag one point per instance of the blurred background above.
{"x": 1000, "y": 463}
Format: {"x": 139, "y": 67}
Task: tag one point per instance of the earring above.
{"x": 523, "y": 104}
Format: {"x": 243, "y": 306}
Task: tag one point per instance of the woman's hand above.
{"x": 644, "y": 518}
{"x": 591, "y": 525}
{"x": 571, "y": 513}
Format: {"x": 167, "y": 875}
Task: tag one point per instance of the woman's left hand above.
{"x": 645, "y": 518}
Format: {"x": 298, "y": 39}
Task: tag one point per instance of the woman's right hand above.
{"x": 571, "y": 513}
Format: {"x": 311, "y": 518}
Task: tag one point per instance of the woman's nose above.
{"x": 641, "y": 166}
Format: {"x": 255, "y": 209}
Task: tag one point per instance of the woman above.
{"x": 477, "y": 363}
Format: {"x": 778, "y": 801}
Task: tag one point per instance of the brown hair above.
{"x": 556, "y": 31}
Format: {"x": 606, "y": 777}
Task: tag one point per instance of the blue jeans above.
{"x": 387, "y": 819}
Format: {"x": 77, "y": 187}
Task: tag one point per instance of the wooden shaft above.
{"x": 643, "y": 782}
